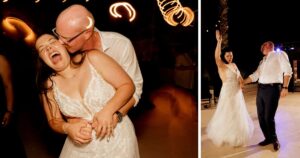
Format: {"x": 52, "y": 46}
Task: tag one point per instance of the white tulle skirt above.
{"x": 231, "y": 123}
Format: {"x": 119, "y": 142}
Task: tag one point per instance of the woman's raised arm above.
{"x": 219, "y": 62}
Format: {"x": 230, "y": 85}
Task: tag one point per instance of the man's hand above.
{"x": 284, "y": 92}
{"x": 103, "y": 124}
{"x": 241, "y": 82}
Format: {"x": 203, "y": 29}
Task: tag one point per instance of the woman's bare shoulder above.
{"x": 98, "y": 57}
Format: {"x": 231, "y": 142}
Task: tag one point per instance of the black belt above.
{"x": 268, "y": 84}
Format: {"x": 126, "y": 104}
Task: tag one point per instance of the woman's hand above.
{"x": 103, "y": 124}
{"x": 241, "y": 82}
{"x": 218, "y": 36}
{"x": 80, "y": 131}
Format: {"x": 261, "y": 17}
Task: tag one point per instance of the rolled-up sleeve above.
{"x": 285, "y": 65}
{"x": 133, "y": 70}
{"x": 255, "y": 75}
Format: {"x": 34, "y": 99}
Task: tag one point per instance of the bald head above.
{"x": 73, "y": 19}
{"x": 266, "y": 47}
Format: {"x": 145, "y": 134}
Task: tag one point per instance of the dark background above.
{"x": 250, "y": 24}
{"x": 154, "y": 41}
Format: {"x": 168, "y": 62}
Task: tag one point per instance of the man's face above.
{"x": 266, "y": 48}
{"x": 71, "y": 38}
{"x": 263, "y": 49}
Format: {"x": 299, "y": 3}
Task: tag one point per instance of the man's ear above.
{"x": 88, "y": 33}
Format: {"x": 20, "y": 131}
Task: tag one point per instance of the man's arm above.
{"x": 285, "y": 85}
{"x": 254, "y": 76}
{"x": 123, "y": 110}
{"x": 287, "y": 69}
{"x": 131, "y": 66}
{"x": 286, "y": 80}
{"x": 247, "y": 80}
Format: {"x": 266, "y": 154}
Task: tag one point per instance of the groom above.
{"x": 273, "y": 75}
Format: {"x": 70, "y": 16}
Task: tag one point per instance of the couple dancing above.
{"x": 87, "y": 96}
{"x": 273, "y": 75}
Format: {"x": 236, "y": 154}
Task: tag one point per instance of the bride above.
{"x": 231, "y": 123}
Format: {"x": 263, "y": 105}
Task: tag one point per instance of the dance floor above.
{"x": 287, "y": 125}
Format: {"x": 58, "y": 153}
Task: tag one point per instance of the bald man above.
{"x": 76, "y": 31}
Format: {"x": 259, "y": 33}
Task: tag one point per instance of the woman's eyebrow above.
{"x": 45, "y": 42}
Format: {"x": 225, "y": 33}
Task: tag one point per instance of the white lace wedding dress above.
{"x": 231, "y": 123}
{"x": 124, "y": 142}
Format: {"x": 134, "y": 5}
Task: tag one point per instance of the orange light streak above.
{"x": 16, "y": 26}
{"x": 127, "y": 6}
{"x": 174, "y": 13}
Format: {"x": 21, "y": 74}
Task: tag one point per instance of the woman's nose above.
{"x": 48, "y": 48}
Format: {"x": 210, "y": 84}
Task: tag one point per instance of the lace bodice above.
{"x": 96, "y": 95}
{"x": 229, "y": 74}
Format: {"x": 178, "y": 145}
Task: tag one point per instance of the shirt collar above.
{"x": 104, "y": 44}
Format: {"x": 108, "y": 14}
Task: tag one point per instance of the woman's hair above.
{"x": 224, "y": 51}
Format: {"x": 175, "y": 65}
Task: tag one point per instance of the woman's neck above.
{"x": 69, "y": 73}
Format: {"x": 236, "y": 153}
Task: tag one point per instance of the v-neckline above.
{"x": 231, "y": 68}
{"x": 84, "y": 92}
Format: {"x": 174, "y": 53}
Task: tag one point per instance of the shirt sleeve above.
{"x": 285, "y": 64}
{"x": 133, "y": 70}
{"x": 255, "y": 75}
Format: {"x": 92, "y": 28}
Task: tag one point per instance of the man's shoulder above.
{"x": 114, "y": 35}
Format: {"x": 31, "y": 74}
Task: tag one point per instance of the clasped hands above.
{"x": 80, "y": 130}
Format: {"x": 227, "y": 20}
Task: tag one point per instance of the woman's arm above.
{"x": 5, "y": 73}
{"x": 58, "y": 124}
{"x": 239, "y": 76}
{"x": 54, "y": 117}
{"x": 218, "y": 59}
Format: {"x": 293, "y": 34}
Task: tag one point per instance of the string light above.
{"x": 127, "y": 6}
{"x": 90, "y": 23}
{"x": 13, "y": 25}
{"x": 172, "y": 9}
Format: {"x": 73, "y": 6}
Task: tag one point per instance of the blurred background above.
{"x": 160, "y": 49}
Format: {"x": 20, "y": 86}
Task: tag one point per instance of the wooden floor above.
{"x": 287, "y": 125}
